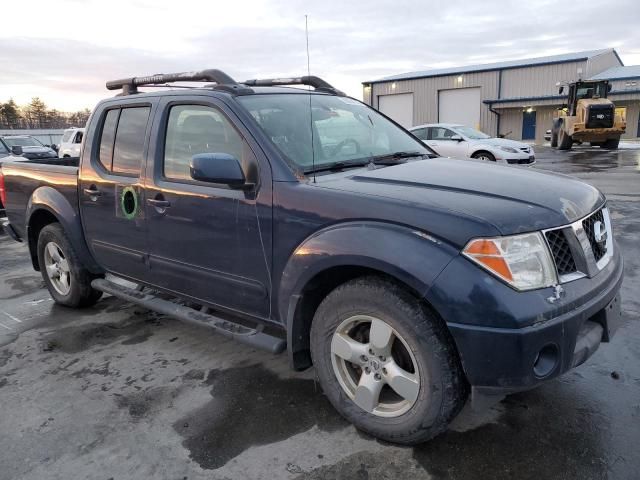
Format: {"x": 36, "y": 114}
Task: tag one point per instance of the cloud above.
{"x": 67, "y": 59}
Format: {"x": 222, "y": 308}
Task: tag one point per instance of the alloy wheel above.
{"x": 57, "y": 268}
{"x": 374, "y": 366}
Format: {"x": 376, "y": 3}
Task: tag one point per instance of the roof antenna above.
{"x": 313, "y": 146}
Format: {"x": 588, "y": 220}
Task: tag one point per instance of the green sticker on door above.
{"x": 127, "y": 202}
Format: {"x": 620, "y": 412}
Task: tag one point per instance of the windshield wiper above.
{"x": 386, "y": 159}
{"x": 392, "y": 158}
{"x": 337, "y": 166}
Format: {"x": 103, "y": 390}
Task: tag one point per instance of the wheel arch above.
{"x": 47, "y": 206}
{"x": 483, "y": 150}
{"x": 340, "y": 254}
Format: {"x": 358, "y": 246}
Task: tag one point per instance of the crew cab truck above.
{"x": 305, "y": 220}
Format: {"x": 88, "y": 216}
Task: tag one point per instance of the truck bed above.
{"x": 22, "y": 179}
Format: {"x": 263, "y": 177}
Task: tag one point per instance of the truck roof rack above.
{"x": 222, "y": 81}
{"x": 313, "y": 81}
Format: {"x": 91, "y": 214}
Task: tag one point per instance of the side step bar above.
{"x": 253, "y": 337}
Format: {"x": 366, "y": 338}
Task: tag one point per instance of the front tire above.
{"x": 565, "y": 142}
{"x": 611, "y": 144}
{"x": 385, "y": 362}
{"x": 484, "y": 156}
{"x": 67, "y": 280}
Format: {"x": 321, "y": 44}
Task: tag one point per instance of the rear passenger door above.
{"x": 208, "y": 241}
{"x": 111, "y": 188}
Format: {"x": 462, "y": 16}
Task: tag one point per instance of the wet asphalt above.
{"x": 117, "y": 392}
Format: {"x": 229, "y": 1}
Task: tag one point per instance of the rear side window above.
{"x": 193, "y": 129}
{"x": 130, "y": 138}
{"x": 3, "y": 149}
{"x": 108, "y": 135}
{"x": 122, "y": 140}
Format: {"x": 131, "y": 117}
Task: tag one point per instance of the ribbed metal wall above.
{"x": 600, "y": 63}
{"x": 538, "y": 81}
{"x": 425, "y": 95}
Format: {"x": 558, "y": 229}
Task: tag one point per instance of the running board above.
{"x": 253, "y": 337}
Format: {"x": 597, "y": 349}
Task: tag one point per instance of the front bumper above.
{"x": 561, "y": 335}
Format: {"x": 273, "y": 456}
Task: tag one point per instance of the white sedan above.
{"x": 458, "y": 141}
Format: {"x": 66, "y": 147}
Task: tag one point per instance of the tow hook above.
{"x": 558, "y": 293}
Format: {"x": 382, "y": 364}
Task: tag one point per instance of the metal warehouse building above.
{"x": 516, "y": 99}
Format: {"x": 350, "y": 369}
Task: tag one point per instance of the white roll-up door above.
{"x": 399, "y": 107}
{"x": 460, "y": 105}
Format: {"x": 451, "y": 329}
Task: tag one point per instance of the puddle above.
{"x": 78, "y": 339}
{"x": 253, "y": 406}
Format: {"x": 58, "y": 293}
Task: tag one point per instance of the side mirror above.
{"x": 17, "y": 150}
{"x": 55, "y": 148}
{"x": 218, "y": 168}
{"x": 560, "y": 90}
{"x": 457, "y": 138}
{"x": 609, "y": 87}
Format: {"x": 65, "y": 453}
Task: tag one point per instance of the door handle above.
{"x": 159, "y": 203}
{"x": 93, "y": 192}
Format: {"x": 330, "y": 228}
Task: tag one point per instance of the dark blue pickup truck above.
{"x": 305, "y": 220}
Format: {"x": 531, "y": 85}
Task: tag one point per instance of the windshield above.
{"x": 344, "y": 130}
{"x": 590, "y": 90}
{"x": 22, "y": 142}
{"x": 471, "y": 133}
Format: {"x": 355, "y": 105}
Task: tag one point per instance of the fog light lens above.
{"x": 546, "y": 361}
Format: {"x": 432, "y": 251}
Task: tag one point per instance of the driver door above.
{"x": 440, "y": 140}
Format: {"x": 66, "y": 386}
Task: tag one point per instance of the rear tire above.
{"x": 611, "y": 144}
{"x": 420, "y": 360}
{"x": 482, "y": 155}
{"x": 565, "y": 142}
{"x": 67, "y": 280}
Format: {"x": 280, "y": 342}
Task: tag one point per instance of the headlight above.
{"x": 523, "y": 261}
{"x": 508, "y": 149}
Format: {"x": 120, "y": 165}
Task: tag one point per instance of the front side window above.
{"x": 421, "y": 133}
{"x": 193, "y": 129}
{"x": 316, "y": 130}
{"x": 78, "y": 138}
{"x": 441, "y": 133}
{"x": 3, "y": 149}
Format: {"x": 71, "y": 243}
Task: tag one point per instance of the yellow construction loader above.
{"x": 588, "y": 117}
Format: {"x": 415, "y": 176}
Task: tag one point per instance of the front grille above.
{"x": 519, "y": 161}
{"x": 561, "y": 252}
{"x": 599, "y": 116}
{"x": 599, "y": 249}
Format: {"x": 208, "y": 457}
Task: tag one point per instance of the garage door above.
{"x": 460, "y": 105}
{"x": 399, "y": 107}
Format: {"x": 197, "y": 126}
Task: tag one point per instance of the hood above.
{"x": 502, "y": 142}
{"x": 513, "y": 200}
{"x": 38, "y": 152}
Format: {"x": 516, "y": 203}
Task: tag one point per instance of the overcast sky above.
{"x": 64, "y": 50}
